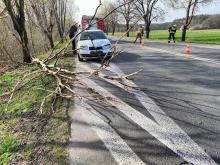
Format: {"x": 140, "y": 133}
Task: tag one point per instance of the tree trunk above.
{"x": 147, "y": 29}
{"x": 107, "y": 29}
{"x": 18, "y": 19}
{"x": 187, "y": 21}
{"x": 127, "y": 28}
{"x": 60, "y": 15}
{"x": 184, "y": 33}
{"x": 26, "y": 55}
{"x": 25, "y": 49}
{"x": 50, "y": 38}
{"x": 24, "y": 39}
{"x": 113, "y": 29}
{"x": 61, "y": 34}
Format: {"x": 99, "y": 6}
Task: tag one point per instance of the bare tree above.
{"x": 71, "y": 12}
{"x": 60, "y": 15}
{"x": 44, "y": 13}
{"x": 17, "y": 14}
{"x": 150, "y": 11}
{"x": 127, "y": 11}
{"x": 190, "y": 6}
{"x": 112, "y": 20}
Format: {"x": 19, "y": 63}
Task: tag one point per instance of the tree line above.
{"x": 49, "y": 18}
{"x": 199, "y": 22}
{"x": 150, "y": 11}
{"x": 25, "y": 21}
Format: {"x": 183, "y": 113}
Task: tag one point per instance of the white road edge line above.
{"x": 119, "y": 149}
{"x": 168, "y": 132}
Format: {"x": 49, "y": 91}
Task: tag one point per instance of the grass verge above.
{"x": 26, "y": 135}
{"x": 194, "y": 36}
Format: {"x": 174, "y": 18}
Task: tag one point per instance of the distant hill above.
{"x": 199, "y": 22}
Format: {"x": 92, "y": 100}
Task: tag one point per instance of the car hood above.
{"x": 96, "y": 43}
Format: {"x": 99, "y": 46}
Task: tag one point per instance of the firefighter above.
{"x": 139, "y": 34}
{"x": 72, "y": 34}
{"x": 172, "y": 32}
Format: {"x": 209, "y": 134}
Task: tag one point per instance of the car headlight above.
{"x": 108, "y": 46}
{"x": 83, "y": 47}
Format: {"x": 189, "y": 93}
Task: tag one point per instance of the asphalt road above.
{"x": 167, "y": 114}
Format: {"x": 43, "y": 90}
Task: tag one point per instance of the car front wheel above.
{"x": 79, "y": 58}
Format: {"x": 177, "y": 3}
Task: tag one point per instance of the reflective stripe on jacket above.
{"x": 172, "y": 29}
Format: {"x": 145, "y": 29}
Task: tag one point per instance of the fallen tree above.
{"x": 57, "y": 82}
{"x": 65, "y": 78}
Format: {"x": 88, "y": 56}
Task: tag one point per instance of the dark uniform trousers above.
{"x": 172, "y": 36}
{"x": 138, "y": 35}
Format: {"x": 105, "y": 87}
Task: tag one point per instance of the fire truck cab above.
{"x": 95, "y": 23}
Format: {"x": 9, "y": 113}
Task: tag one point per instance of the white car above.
{"x": 93, "y": 44}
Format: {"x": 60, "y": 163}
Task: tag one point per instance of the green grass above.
{"x": 7, "y": 146}
{"x": 47, "y": 132}
{"x": 30, "y": 95}
{"x": 10, "y": 76}
{"x": 7, "y": 80}
{"x": 25, "y": 120}
{"x": 58, "y": 47}
{"x": 194, "y": 36}
{"x": 25, "y": 98}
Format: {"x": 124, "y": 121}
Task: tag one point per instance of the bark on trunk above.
{"x": 113, "y": 31}
{"x": 127, "y": 27}
{"x": 61, "y": 35}
{"x": 187, "y": 21}
{"x": 25, "y": 49}
{"x": 147, "y": 29}
{"x": 184, "y": 33}
{"x": 107, "y": 29}
{"x": 50, "y": 38}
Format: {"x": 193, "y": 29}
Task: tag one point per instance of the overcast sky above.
{"x": 87, "y": 7}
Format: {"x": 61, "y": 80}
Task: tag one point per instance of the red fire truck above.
{"x": 96, "y": 22}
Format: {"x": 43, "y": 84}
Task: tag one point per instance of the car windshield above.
{"x": 92, "y": 35}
